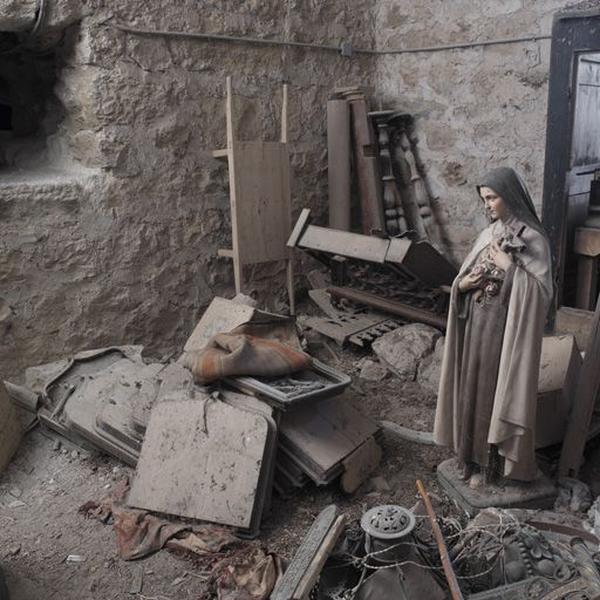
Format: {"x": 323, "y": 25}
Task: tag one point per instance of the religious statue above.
{"x": 499, "y": 301}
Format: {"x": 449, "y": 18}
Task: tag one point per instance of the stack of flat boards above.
{"x": 316, "y": 438}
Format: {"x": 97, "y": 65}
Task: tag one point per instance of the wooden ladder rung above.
{"x": 221, "y": 153}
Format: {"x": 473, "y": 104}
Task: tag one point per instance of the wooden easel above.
{"x": 259, "y": 193}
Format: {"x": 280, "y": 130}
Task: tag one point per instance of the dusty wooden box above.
{"x": 559, "y": 367}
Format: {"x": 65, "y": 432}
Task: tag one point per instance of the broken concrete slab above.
{"x": 403, "y": 349}
{"x": 202, "y": 459}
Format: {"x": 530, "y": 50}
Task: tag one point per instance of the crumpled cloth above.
{"x": 231, "y": 354}
{"x": 240, "y": 570}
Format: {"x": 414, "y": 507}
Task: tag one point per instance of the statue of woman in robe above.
{"x": 488, "y": 388}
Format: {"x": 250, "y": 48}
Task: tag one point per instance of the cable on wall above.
{"x": 345, "y": 48}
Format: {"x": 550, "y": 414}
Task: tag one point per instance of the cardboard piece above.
{"x": 559, "y": 368}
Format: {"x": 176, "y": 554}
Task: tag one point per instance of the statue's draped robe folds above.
{"x": 507, "y": 357}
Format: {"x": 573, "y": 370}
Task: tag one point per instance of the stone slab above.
{"x": 538, "y": 494}
{"x": 201, "y": 459}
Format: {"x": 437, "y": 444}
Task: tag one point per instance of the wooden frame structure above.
{"x": 573, "y": 33}
{"x": 260, "y": 198}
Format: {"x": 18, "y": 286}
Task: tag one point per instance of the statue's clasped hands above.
{"x": 500, "y": 258}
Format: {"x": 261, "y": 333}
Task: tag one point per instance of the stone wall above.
{"x": 110, "y": 234}
{"x": 476, "y": 108}
{"x": 110, "y": 218}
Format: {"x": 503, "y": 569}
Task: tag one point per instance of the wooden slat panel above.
{"x": 262, "y": 201}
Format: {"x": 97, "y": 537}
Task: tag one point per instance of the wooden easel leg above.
{"x": 237, "y": 274}
{"x": 290, "y": 286}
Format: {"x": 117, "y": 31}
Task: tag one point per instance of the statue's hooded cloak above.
{"x": 512, "y": 424}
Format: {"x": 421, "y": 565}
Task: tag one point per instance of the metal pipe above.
{"x": 345, "y": 48}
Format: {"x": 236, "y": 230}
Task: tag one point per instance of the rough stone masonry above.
{"x": 111, "y": 206}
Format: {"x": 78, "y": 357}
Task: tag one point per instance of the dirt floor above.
{"x": 50, "y": 551}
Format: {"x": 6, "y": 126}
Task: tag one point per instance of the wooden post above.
{"x": 230, "y": 115}
{"x": 290, "y": 260}
{"x": 338, "y": 163}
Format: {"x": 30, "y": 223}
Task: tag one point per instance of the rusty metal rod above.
{"x": 390, "y": 306}
{"x": 441, "y": 544}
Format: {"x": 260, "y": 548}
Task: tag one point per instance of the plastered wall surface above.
{"x": 110, "y": 233}
{"x": 112, "y": 211}
{"x": 475, "y": 108}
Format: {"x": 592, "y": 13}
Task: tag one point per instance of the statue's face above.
{"x": 493, "y": 203}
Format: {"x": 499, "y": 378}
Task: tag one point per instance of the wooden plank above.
{"x": 221, "y": 316}
{"x": 587, "y": 281}
{"x": 261, "y": 207}
{"x": 389, "y": 306}
{"x": 455, "y": 591}
{"x": 359, "y": 465}
{"x": 284, "y": 114}
{"x": 587, "y": 241}
{"x": 225, "y": 253}
{"x": 299, "y": 228}
{"x": 233, "y": 187}
{"x": 338, "y": 163}
{"x": 306, "y": 553}
{"x": 344, "y": 243}
{"x": 221, "y": 153}
{"x": 313, "y": 570}
{"x": 290, "y": 285}
{"x": 365, "y": 161}
{"x": 586, "y": 393}
{"x": 201, "y": 459}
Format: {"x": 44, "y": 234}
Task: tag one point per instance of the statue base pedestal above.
{"x": 540, "y": 493}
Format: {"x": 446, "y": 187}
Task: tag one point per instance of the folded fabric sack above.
{"x": 231, "y": 354}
